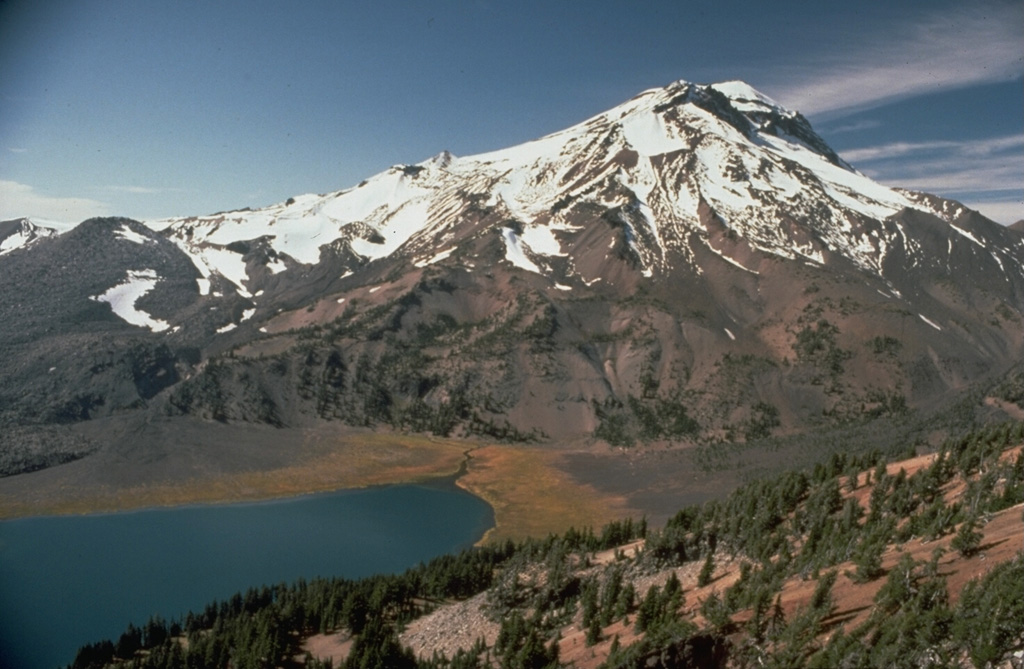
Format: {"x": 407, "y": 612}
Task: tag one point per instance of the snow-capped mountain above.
{"x": 668, "y": 160}
{"x": 19, "y": 233}
{"x": 693, "y": 264}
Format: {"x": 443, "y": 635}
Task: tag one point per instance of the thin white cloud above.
{"x": 17, "y": 200}
{"x": 983, "y": 148}
{"x": 952, "y": 176}
{"x": 983, "y": 174}
{"x": 867, "y": 124}
{"x": 141, "y": 190}
{"x": 893, "y": 150}
{"x": 17, "y": 149}
{"x": 980, "y": 43}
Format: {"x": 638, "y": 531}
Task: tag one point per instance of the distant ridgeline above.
{"x": 855, "y": 563}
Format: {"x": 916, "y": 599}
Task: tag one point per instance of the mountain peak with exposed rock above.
{"x": 695, "y": 264}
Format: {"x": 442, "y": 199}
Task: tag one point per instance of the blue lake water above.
{"x": 67, "y": 581}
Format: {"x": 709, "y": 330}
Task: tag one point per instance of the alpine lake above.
{"x": 66, "y": 581}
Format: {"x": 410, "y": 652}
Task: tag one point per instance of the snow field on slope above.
{"x": 390, "y": 189}
{"x": 647, "y": 133}
{"x": 850, "y": 189}
{"x": 739, "y": 91}
{"x": 731, "y": 261}
{"x": 514, "y": 251}
{"x": 15, "y": 241}
{"x": 542, "y": 240}
{"x": 967, "y": 234}
{"x": 124, "y": 232}
{"x": 123, "y": 296}
{"x": 246, "y": 315}
{"x": 229, "y": 265}
{"x": 396, "y": 228}
{"x": 528, "y": 153}
{"x": 436, "y": 258}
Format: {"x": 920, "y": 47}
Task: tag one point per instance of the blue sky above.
{"x": 154, "y": 109}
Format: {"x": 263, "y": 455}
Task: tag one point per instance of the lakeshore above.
{"x": 528, "y": 488}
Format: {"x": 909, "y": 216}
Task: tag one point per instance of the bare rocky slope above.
{"x": 693, "y": 265}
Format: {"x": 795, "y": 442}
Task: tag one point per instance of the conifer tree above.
{"x": 672, "y": 596}
{"x": 822, "y": 599}
{"x": 868, "y": 557}
{"x": 593, "y": 631}
{"x": 707, "y": 570}
{"x": 647, "y": 614}
{"x": 968, "y": 538}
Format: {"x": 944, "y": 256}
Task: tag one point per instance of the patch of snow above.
{"x": 514, "y": 251}
{"x": 847, "y": 187}
{"x": 375, "y": 289}
{"x": 28, "y": 232}
{"x": 204, "y": 286}
{"x": 717, "y": 185}
{"x": 648, "y": 217}
{"x": 646, "y": 132}
{"x": 247, "y": 314}
{"x": 813, "y": 257}
{"x": 998, "y": 261}
{"x": 227, "y": 328}
{"x": 562, "y": 287}
{"x": 523, "y": 154}
{"x": 510, "y": 189}
{"x": 437, "y": 258}
{"x": 541, "y": 239}
{"x": 341, "y": 300}
{"x": 49, "y": 227}
{"x": 396, "y": 227}
{"x": 967, "y": 234}
{"x": 123, "y": 296}
{"x": 229, "y": 265}
{"x": 731, "y": 261}
{"x": 124, "y": 232}
{"x": 741, "y": 90}
{"x": 276, "y": 267}
{"x": 15, "y": 241}
{"x": 929, "y": 322}
{"x": 729, "y": 332}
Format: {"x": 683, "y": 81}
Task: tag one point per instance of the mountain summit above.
{"x": 695, "y": 264}
{"x": 674, "y": 163}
